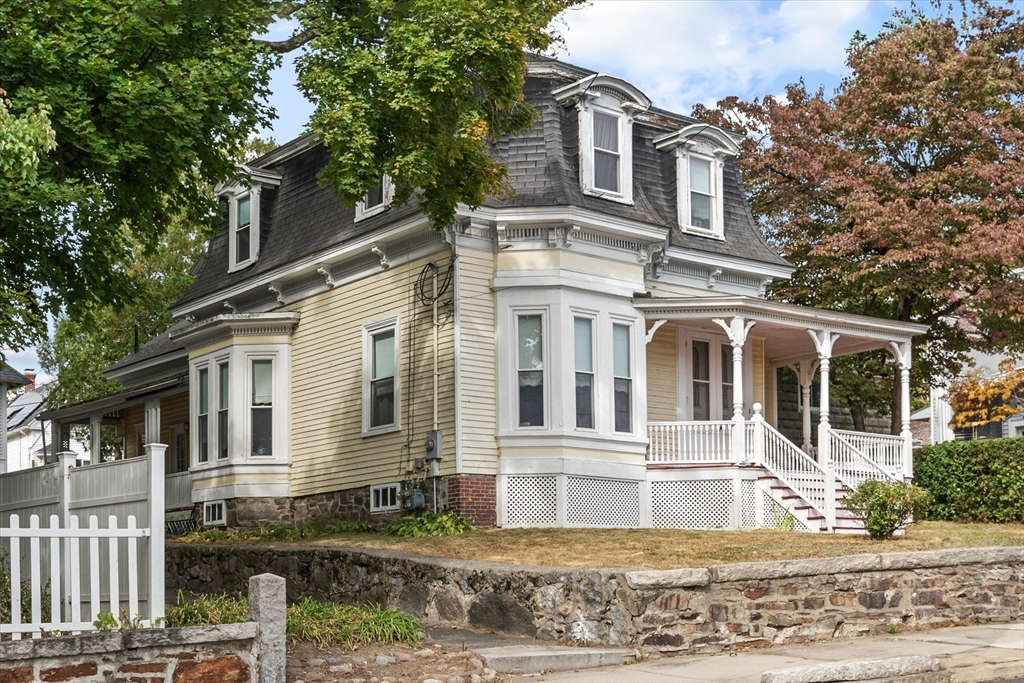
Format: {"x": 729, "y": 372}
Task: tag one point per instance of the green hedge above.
{"x": 973, "y": 481}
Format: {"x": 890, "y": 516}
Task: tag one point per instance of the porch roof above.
{"x": 80, "y": 411}
{"x": 783, "y": 326}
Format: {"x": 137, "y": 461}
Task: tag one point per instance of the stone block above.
{"x": 228, "y": 669}
{"x": 267, "y": 607}
{"x": 68, "y": 673}
{"x": 21, "y": 674}
{"x": 671, "y": 578}
{"x": 891, "y": 669}
{"x": 502, "y": 613}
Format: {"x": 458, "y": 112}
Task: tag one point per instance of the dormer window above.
{"x": 376, "y": 200}
{"x": 606, "y": 106}
{"x": 701, "y": 151}
{"x": 244, "y": 231}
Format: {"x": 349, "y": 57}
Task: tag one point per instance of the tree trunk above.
{"x": 857, "y": 413}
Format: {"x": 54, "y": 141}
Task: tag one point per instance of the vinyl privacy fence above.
{"x": 80, "y": 540}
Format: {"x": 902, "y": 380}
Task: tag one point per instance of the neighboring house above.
{"x": 941, "y": 414}
{"x": 28, "y": 437}
{"x": 10, "y": 379}
{"x": 591, "y": 352}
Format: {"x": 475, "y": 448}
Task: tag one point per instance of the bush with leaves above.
{"x": 973, "y": 481}
{"x": 887, "y": 507}
{"x": 445, "y": 523}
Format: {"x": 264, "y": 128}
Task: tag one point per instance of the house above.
{"x": 28, "y": 443}
{"x": 941, "y": 415}
{"x": 595, "y": 351}
{"x": 10, "y": 379}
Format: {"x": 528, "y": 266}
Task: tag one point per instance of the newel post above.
{"x": 155, "y": 454}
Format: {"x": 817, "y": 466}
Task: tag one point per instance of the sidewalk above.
{"x": 974, "y": 654}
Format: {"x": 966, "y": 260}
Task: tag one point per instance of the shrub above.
{"x": 445, "y": 523}
{"x": 973, "y": 481}
{"x": 886, "y": 506}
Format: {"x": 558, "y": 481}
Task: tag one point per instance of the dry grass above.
{"x": 666, "y": 549}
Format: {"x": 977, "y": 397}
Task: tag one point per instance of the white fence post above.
{"x": 155, "y": 453}
{"x": 66, "y": 460}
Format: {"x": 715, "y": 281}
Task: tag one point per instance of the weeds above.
{"x": 277, "y": 532}
{"x": 445, "y": 523}
{"x": 209, "y": 610}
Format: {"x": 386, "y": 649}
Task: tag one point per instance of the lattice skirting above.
{"x": 551, "y": 500}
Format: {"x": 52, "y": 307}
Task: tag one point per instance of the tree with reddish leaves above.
{"x": 902, "y": 195}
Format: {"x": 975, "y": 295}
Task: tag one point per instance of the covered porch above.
{"x": 712, "y": 395}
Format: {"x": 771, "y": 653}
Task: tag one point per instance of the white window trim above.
{"x": 389, "y": 194}
{"x": 683, "y": 156}
{"x": 208, "y": 505}
{"x": 386, "y": 508}
{"x": 215, "y": 364}
{"x": 369, "y": 330}
{"x": 254, "y": 227}
{"x": 546, "y": 376}
{"x": 247, "y": 405}
{"x": 194, "y": 415}
{"x": 595, "y": 335}
{"x": 586, "y": 126}
{"x": 634, "y": 349}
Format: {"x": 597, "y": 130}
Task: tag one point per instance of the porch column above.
{"x": 737, "y": 330}
{"x": 805, "y": 375}
{"x": 152, "y": 420}
{"x": 902, "y": 353}
{"x": 96, "y": 438}
{"x": 823, "y": 341}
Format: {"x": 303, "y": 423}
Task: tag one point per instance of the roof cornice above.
{"x": 236, "y": 325}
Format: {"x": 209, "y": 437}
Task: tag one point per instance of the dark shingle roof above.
{"x": 11, "y": 377}
{"x": 300, "y": 218}
{"x": 157, "y": 346}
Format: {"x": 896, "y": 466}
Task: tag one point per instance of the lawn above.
{"x": 667, "y": 548}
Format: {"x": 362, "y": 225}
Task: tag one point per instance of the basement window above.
{"x": 385, "y": 498}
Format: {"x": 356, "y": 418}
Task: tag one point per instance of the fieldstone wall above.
{"x": 680, "y": 610}
{"x": 200, "y": 654}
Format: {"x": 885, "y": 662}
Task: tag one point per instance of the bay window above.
{"x": 622, "y": 374}
{"x": 223, "y": 380}
{"x": 262, "y": 407}
{"x": 203, "y": 419}
{"x": 530, "y": 369}
{"x": 583, "y": 356}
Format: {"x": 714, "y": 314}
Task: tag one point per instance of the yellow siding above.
{"x": 769, "y": 393}
{"x": 327, "y": 449}
{"x": 478, "y": 359}
{"x": 662, "y": 389}
{"x": 757, "y": 363}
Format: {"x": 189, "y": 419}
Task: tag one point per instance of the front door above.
{"x": 707, "y": 383}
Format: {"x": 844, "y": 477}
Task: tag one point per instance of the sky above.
{"x": 678, "y": 52}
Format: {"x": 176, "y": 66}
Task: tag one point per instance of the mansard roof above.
{"x": 299, "y": 218}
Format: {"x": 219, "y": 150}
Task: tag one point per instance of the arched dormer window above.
{"x": 606, "y": 107}
{"x": 244, "y": 214}
{"x": 701, "y": 150}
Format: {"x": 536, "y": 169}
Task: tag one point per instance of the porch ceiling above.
{"x": 783, "y": 326}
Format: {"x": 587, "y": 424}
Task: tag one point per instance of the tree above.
{"x": 978, "y": 399}
{"x": 901, "y": 195}
{"x": 150, "y": 100}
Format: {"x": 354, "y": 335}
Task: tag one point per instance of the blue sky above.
{"x": 679, "y": 52}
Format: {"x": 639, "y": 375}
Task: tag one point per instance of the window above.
{"x": 384, "y": 498}
{"x": 376, "y": 200}
{"x": 380, "y": 376}
{"x": 606, "y": 152}
{"x": 242, "y": 223}
{"x": 179, "y": 448}
{"x": 583, "y": 334}
{"x": 222, "y": 410}
{"x": 701, "y": 193}
{"x": 262, "y": 407}
{"x": 530, "y": 345}
{"x": 140, "y": 439}
{"x": 623, "y": 378}
{"x": 203, "y": 422}
{"x": 213, "y": 513}
{"x": 701, "y": 369}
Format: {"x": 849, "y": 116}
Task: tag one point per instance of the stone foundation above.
{"x": 470, "y": 494}
{"x": 683, "y": 610}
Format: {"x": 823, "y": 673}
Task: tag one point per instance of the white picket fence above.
{"x": 107, "y": 569}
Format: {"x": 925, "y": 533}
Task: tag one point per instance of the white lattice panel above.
{"x": 531, "y": 501}
{"x": 692, "y": 504}
{"x": 602, "y": 502}
{"x": 749, "y": 492}
{"x": 777, "y": 517}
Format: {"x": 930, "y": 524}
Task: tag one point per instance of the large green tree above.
{"x": 900, "y": 196}
{"x": 150, "y": 100}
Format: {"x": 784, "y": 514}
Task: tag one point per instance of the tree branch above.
{"x": 285, "y": 46}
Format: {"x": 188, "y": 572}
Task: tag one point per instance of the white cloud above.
{"x": 682, "y": 53}
{"x": 24, "y": 360}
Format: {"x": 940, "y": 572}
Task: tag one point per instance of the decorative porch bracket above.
{"x": 824, "y": 340}
{"x": 737, "y": 329}
{"x": 654, "y": 328}
{"x": 902, "y": 353}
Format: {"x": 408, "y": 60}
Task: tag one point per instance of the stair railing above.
{"x": 851, "y": 465}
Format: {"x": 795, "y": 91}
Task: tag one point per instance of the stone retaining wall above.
{"x": 199, "y": 654}
{"x": 714, "y": 608}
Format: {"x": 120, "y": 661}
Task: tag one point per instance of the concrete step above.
{"x": 532, "y": 659}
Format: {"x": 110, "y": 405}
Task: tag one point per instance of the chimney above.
{"x": 30, "y": 374}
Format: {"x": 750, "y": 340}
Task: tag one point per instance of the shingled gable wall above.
{"x": 684, "y": 610}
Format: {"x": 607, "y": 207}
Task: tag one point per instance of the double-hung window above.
{"x": 203, "y": 419}
{"x": 583, "y": 335}
{"x": 702, "y": 193}
{"x": 607, "y": 155}
{"x": 262, "y": 407}
{"x": 376, "y": 200}
{"x": 530, "y": 369}
{"x": 243, "y": 221}
{"x": 622, "y": 370}
{"x": 222, "y": 411}
{"x": 380, "y": 376}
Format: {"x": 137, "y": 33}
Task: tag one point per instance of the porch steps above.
{"x": 846, "y": 521}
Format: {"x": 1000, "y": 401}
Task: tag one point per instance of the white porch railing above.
{"x": 690, "y": 442}
{"x": 65, "y": 587}
{"x": 852, "y": 466}
{"x": 884, "y": 450}
{"x": 797, "y": 470}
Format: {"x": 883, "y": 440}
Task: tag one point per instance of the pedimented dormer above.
{"x": 606, "y": 107}
{"x": 243, "y": 199}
